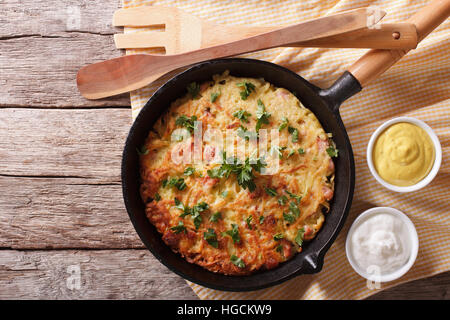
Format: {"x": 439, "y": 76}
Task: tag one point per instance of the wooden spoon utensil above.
{"x": 132, "y": 72}
{"x": 185, "y": 32}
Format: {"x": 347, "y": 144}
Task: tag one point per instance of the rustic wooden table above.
{"x": 64, "y": 231}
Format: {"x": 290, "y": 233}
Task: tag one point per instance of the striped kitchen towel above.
{"x": 417, "y": 86}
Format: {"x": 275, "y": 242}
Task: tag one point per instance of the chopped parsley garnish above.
{"x": 224, "y": 194}
{"x": 294, "y": 209}
{"x": 188, "y": 123}
{"x": 261, "y": 219}
{"x": 283, "y": 124}
{"x": 175, "y": 182}
{"x": 189, "y": 171}
{"x": 282, "y": 200}
{"x": 193, "y": 212}
{"x": 233, "y": 233}
{"x": 214, "y": 96}
{"x": 249, "y": 222}
{"x": 215, "y": 217}
{"x": 299, "y": 237}
{"x": 288, "y": 217}
{"x": 194, "y": 89}
{"x": 332, "y": 152}
{"x": 242, "y": 115}
{"x": 244, "y": 171}
{"x": 278, "y": 237}
{"x": 261, "y": 115}
{"x": 294, "y": 132}
{"x": 179, "y": 228}
{"x": 143, "y": 151}
{"x": 279, "y": 249}
{"x": 291, "y": 152}
{"x": 157, "y": 197}
{"x": 211, "y": 237}
{"x": 301, "y": 151}
{"x": 271, "y": 192}
{"x": 247, "y": 88}
{"x": 244, "y": 134}
{"x": 277, "y": 150}
{"x": 294, "y": 196}
{"x": 237, "y": 261}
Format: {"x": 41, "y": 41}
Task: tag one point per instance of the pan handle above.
{"x": 375, "y": 62}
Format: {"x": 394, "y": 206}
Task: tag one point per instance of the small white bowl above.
{"x": 414, "y": 244}
{"x": 437, "y": 151}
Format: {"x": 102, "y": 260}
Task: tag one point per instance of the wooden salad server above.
{"x": 132, "y": 72}
{"x": 179, "y": 31}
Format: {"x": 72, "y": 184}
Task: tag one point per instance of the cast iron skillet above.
{"x": 324, "y": 103}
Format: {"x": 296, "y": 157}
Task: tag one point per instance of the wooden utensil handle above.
{"x": 377, "y": 61}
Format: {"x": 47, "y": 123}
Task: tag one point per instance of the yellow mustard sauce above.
{"x": 403, "y": 154}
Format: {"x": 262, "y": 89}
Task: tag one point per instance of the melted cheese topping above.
{"x": 266, "y": 237}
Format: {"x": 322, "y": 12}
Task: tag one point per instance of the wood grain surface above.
{"x": 61, "y": 207}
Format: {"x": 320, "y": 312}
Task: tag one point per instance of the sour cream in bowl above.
{"x": 382, "y": 244}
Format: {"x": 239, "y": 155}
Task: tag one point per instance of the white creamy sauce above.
{"x": 381, "y": 240}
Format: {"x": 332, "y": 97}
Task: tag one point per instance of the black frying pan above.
{"x": 324, "y": 103}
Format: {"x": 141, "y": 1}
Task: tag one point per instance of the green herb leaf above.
{"x": 175, "y": 182}
{"x": 244, "y": 171}
{"x": 261, "y": 219}
{"x": 332, "y": 152}
{"x": 282, "y": 200}
{"x": 278, "y": 237}
{"x": 211, "y": 237}
{"x": 157, "y": 197}
{"x": 215, "y": 217}
{"x": 294, "y": 132}
{"x": 279, "y": 249}
{"x": 189, "y": 171}
{"x": 242, "y": 115}
{"x": 247, "y": 88}
{"x": 283, "y": 124}
{"x": 291, "y": 152}
{"x": 271, "y": 192}
{"x": 288, "y": 217}
{"x": 188, "y": 123}
{"x": 294, "y": 209}
{"x": 234, "y": 233}
{"x": 249, "y": 221}
{"x": 143, "y": 151}
{"x": 301, "y": 151}
{"x": 179, "y": 228}
{"x": 237, "y": 261}
{"x": 294, "y": 196}
{"x": 261, "y": 115}
{"x": 224, "y": 194}
{"x": 214, "y": 96}
{"x": 277, "y": 150}
{"x": 194, "y": 89}
{"x": 244, "y": 134}
{"x": 299, "y": 237}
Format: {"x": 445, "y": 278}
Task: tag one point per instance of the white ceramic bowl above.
{"x": 437, "y": 151}
{"x": 413, "y": 238}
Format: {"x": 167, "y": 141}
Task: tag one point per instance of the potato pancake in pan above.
{"x": 229, "y": 216}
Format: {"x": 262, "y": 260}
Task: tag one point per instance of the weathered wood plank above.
{"x": 42, "y": 213}
{"x": 432, "y": 288}
{"x": 103, "y": 274}
{"x": 70, "y": 143}
{"x": 130, "y": 274}
{"x": 44, "y": 43}
{"x": 47, "y": 17}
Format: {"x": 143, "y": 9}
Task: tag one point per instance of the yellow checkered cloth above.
{"x": 417, "y": 86}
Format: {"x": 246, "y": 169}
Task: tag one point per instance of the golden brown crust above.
{"x": 266, "y": 237}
